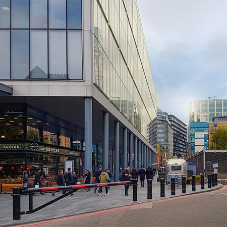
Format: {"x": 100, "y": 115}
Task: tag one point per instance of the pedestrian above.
{"x": 67, "y": 177}
{"x": 149, "y": 173}
{"x": 74, "y": 178}
{"x": 110, "y": 175}
{"x": 37, "y": 180}
{"x": 25, "y": 179}
{"x": 134, "y": 174}
{"x": 126, "y": 176}
{"x": 87, "y": 177}
{"x": 142, "y": 173}
{"x": 97, "y": 174}
{"x": 59, "y": 180}
{"x": 103, "y": 178}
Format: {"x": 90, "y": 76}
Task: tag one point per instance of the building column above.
{"x": 145, "y": 155}
{"x": 139, "y": 155}
{"x": 117, "y": 150}
{"x": 125, "y": 149}
{"x": 130, "y": 150}
{"x": 135, "y": 153}
{"x": 106, "y": 140}
{"x": 142, "y": 156}
{"x": 88, "y": 135}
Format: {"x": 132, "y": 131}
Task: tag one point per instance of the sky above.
{"x": 187, "y": 47}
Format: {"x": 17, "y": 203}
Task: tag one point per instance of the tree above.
{"x": 219, "y": 139}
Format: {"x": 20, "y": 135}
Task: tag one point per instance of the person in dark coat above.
{"x": 110, "y": 175}
{"x": 87, "y": 178}
{"x": 67, "y": 177}
{"x": 97, "y": 174}
{"x": 74, "y": 178}
{"x": 134, "y": 174}
{"x": 37, "y": 178}
{"x": 126, "y": 177}
{"x": 149, "y": 173}
{"x": 59, "y": 180}
{"x": 142, "y": 173}
{"x": 25, "y": 179}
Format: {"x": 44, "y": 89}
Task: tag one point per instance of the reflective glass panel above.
{"x": 19, "y": 54}
{"x": 4, "y": 13}
{"x": 5, "y": 54}
{"x": 74, "y": 14}
{"x": 38, "y": 54}
{"x": 74, "y": 55}
{"x": 20, "y": 13}
{"x": 38, "y": 13}
{"x": 57, "y": 55}
{"x": 57, "y": 13}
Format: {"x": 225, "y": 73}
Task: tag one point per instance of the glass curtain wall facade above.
{"x": 122, "y": 69}
{"x": 205, "y": 110}
{"x": 41, "y": 39}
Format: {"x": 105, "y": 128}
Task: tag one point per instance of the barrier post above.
{"x": 30, "y": 201}
{"x": 162, "y": 187}
{"x": 172, "y": 186}
{"x": 193, "y": 183}
{"x": 216, "y": 179}
{"x": 183, "y": 184}
{"x": 149, "y": 189}
{"x": 16, "y": 203}
{"x": 134, "y": 183}
{"x": 212, "y": 180}
{"x": 202, "y": 181}
{"x": 209, "y": 180}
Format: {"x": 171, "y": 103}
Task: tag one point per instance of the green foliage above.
{"x": 219, "y": 141}
{"x": 197, "y": 177}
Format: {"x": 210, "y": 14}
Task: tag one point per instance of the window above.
{"x": 38, "y": 13}
{"x": 74, "y": 14}
{"x": 20, "y": 13}
{"x": 19, "y": 54}
{"x": 4, "y": 14}
{"x": 38, "y": 54}
{"x": 5, "y": 54}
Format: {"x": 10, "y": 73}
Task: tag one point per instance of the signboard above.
{"x": 69, "y": 164}
{"x": 215, "y": 165}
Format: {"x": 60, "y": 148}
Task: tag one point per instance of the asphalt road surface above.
{"x": 206, "y": 209}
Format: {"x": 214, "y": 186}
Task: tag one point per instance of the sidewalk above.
{"x": 85, "y": 202}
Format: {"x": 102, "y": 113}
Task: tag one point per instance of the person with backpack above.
{"x": 104, "y": 177}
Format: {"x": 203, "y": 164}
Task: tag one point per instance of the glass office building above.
{"x": 205, "y": 110}
{"x": 83, "y": 66}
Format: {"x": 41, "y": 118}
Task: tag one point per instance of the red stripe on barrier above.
{"x": 78, "y": 187}
{"x": 49, "y": 189}
{"x": 121, "y": 183}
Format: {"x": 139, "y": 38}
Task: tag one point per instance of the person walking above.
{"x": 37, "y": 181}
{"x": 87, "y": 177}
{"x": 134, "y": 174}
{"x": 142, "y": 173}
{"x": 25, "y": 179}
{"x": 97, "y": 174}
{"x": 103, "y": 178}
{"x": 149, "y": 173}
{"x": 59, "y": 180}
{"x": 126, "y": 177}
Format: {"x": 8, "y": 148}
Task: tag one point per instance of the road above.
{"x": 207, "y": 209}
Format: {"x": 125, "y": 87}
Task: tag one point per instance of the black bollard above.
{"x": 172, "y": 186}
{"x": 216, "y": 179}
{"x": 162, "y": 187}
{"x": 149, "y": 189}
{"x": 134, "y": 181}
{"x": 30, "y": 201}
{"x": 212, "y": 180}
{"x": 202, "y": 181}
{"x": 183, "y": 184}
{"x": 209, "y": 180}
{"x": 16, "y": 203}
{"x": 193, "y": 183}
